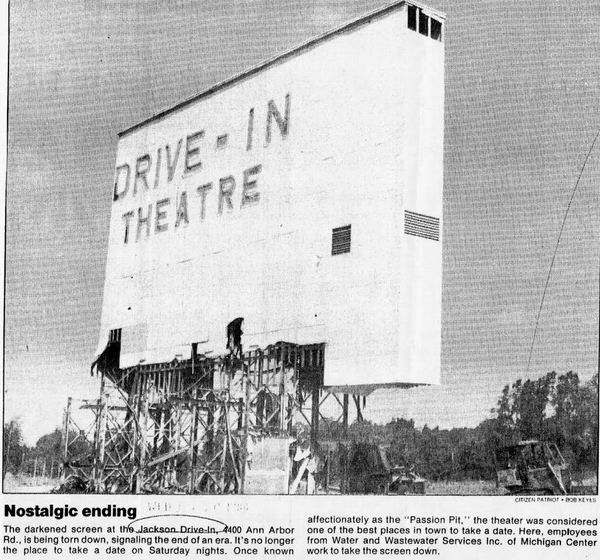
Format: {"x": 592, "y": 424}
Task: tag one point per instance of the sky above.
{"x": 522, "y": 106}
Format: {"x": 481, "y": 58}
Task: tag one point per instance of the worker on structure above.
{"x": 234, "y": 338}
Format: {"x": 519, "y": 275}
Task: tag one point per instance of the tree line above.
{"x": 42, "y": 459}
{"x": 554, "y": 408}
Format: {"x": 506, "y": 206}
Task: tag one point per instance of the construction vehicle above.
{"x": 533, "y": 467}
{"x": 370, "y": 472}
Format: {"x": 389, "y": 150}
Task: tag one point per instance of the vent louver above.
{"x": 341, "y": 238}
{"x": 421, "y": 225}
{"x": 114, "y": 335}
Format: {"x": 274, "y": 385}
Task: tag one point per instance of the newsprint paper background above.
{"x": 519, "y": 301}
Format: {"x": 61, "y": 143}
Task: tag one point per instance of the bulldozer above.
{"x": 533, "y": 467}
{"x": 371, "y": 472}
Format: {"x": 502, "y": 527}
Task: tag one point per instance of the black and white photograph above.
{"x": 323, "y": 247}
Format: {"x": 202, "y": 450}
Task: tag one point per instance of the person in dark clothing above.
{"x": 234, "y": 337}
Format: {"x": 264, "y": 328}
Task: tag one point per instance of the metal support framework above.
{"x": 187, "y": 426}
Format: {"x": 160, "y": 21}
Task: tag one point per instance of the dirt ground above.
{"x": 23, "y": 484}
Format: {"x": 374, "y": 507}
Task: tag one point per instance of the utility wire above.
{"x": 562, "y": 226}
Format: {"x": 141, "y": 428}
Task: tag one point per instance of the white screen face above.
{"x": 229, "y": 207}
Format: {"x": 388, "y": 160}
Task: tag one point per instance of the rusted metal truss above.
{"x": 185, "y": 426}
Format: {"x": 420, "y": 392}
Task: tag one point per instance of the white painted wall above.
{"x": 365, "y": 142}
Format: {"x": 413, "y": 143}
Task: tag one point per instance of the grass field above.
{"x": 23, "y": 484}
{"x": 488, "y": 488}
{"x": 464, "y": 488}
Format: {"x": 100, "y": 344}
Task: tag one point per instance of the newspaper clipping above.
{"x": 301, "y": 279}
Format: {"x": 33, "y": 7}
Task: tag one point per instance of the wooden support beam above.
{"x": 344, "y": 478}
{"x": 246, "y": 424}
{"x": 101, "y": 444}
{"x": 65, "y": 437}
{"x": 345, "y": 414}
{"x": 296, "y": 482}
{"x": 314, "y": 416}
{"x": 359, "y": 416}
{"x": 167, "y": 456}
{"x": 193, "y": 440}
{"x": 141, "y": 444}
